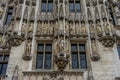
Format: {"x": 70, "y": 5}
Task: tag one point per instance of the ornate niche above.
{"x": 15, "y": 39}
{"x": 27, "y": 54}
{"x": 95, "y": 56}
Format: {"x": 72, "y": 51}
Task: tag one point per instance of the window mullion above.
{"x": 78, "y": 55}
{"x": 44, "y": 56}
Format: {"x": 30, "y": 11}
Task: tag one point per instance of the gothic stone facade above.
{"x": 59, "y": 39}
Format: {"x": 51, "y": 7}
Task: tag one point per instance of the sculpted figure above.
{"x": 51, "y": 28}
{"x": 30, "y": 29}
{"x": 106, "y": 27}
{"x": 98, "y": 27}
{"x": 94, "y": 48}
{"x": 10, "y": 28}
{"x": 91, "y": 28}
{"x": 45, "y": 28}
{"x": 117, "y": 11}
{"x": 28, "y": 47}
{"x": 23, "y": 30}
{"x": 56, "y": 28}
{"x": 77, "y": 28}
{"x": 39, "y": 28}
{"x": 83, "y": 30}
{"x": 66, "y": 29}
{"x": 112, "y": 28}
{"x": 3, "y": 41}
{"x": 72, "y": 29}
{"x": 1, "y": 11}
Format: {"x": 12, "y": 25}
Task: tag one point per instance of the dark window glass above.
{"x": 1, "y": 57}
{"x": 4, "y": 68}
{"x": 77, "y": 4}
{"x": 48, "y": 47}
{"x": 118, "y": 48}
{"x": 9, "y": 16}
{"x": 0, "y": 68}
{"x": 71, "y": 6}
{"x": 75, "y": 61}
{"x": 41, "y": 47}
{"x": 39, "y": 62}
{"x": 6, "y": 58}
{"x": 83, "y": 63}
{"x": 81, "y": 47}
{"x": 74, "y": 47}
{"x": 50, "y": 6}
{"x": 43, "y": 7}
{"x": 48, "y": 60}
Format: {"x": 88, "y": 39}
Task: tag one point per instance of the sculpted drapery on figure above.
{"x": 24, "y": 26}
{"x": 98, "y": 27}
{"x": 1, "y": 11}
{"x": 106, "y": 26}
{"x": 77, "y": 27}
{"x": 39, "y": 28}
{"x": 83, "y": 29}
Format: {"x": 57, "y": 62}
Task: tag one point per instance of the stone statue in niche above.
{"x": 98, "y": 27}
{"x": 1, "y": 11}
{"x": 10, "y": 28}
{"x": 72, "y": 28}
{"x": 30, "y": 28}
{"x": 112, "y": 28}
{"x": 51, "y": 28}
{"x": 117, "y": 11}
{"x": 77, "y": 28}
{"x": 23, "y": 29}
{"x": 28, "y": 48}
{"x": 67, "y": 29}
{"x": 45, "y": 28}
{"x": 61, "y": 45}
{"x": 39, "y": 28}
{"x": 83, "y": 30}
{"x": 91, "y": 28}
{"x": 106, "y": 26}
{"x": 56, "y": 28}
{"x": 3, "y": 41}
{"x": 94, "y": 48}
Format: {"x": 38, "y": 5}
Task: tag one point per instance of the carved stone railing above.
{"x": 53, "y": 75}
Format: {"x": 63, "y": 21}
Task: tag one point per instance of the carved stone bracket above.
{"x": 15, "y": 39}
{"x": 27, "y": 57}
{"x": 61, "y": 60}
{"x": 107, "y": 41}
{"x": 95, "y": 57}
{"x": 117, "y": 78}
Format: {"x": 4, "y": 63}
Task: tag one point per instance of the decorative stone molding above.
{"x": 107, "y": 41}
{"x": 15, "y": 39}
{"x": 61, "y": 60}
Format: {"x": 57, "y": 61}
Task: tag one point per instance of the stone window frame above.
{"x": 74, "y": 5}
{"x": 78, "y": 52}
{"x": 35, "y": 57}
{"x": 3, "y": 54}
{"x": 9, "y": 11}
{"x": 47, "y": 2}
